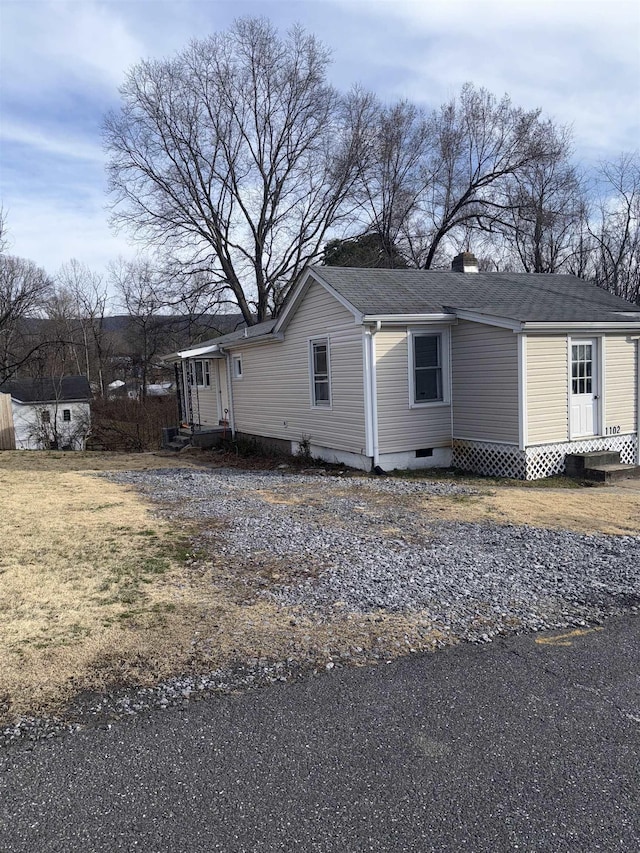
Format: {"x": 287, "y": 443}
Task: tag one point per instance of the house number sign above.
{"x": 612, "y": 430}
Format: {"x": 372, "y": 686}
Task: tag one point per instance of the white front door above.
{"x": 584, "y": 399}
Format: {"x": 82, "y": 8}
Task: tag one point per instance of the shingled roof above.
{"x": 521, "y": 297}
{"x": 65, "y": 390}
{"x": 516, "y": 297}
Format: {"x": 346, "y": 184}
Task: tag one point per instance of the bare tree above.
{"x": 476, "y": 145}
{"x": 3, "y": 232}
{"x": 546, "y": 204}
{"x": 195, "y": 298}
{"x": 615, "y": 229}
{"x": 24, "y": 290}
{"x": 138, "y": 285}
{"x": 236, "y": 155}
{"x": 392, "y": 177}
{"x": 86, "y": 296}
{"x": 66, "y": 345}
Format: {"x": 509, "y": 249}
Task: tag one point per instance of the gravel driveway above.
{"x": 361, "y": 570}
{"x": 368, "y": 544}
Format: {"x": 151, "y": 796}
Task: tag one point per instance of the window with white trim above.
{"x": 320, "y": 372}
{"x": 237, "y": 366}
{"x": 199, "y": 373}
{"x": 429, "y": 368}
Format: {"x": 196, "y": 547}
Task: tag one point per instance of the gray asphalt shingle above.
{"x": 66, "y": 389}
{"x": 516, "y": 296}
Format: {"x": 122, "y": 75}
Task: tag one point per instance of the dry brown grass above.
{"x": 59, "y": 461}
{"x": 588, "y": 510}
{"x": 83, "y": 561}
{"x": 96, "y": 590}
{"x": 610, "y": 510}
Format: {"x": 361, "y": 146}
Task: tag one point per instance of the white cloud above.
{"x": 59, "y": 40}
{"x": 577, "y": 60}
{"x": 62, "y": 61}
{"x": 59, "y": 144}
{"x": 52, "y": 231}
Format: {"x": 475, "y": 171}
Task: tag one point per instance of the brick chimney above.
{"x": 464, "y": 262}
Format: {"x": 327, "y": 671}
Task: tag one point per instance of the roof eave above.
{"x": 589, "y": 325}
{"x": 403, "y": 319}
{"x": 198, "y": 352}
{"x": 57, "y": 401}
{"x": 270, "y": 337}
{"x": 488, "y": 319}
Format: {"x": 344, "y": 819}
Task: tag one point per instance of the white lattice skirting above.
{"x": 544, "y": 460}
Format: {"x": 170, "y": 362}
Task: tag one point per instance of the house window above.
{"x": 66, "y": 415}
{"x": 199, "y": 374}
{"x": 319, "y": 364}
{"x": 45, "y": 416}
{"x": 237, "y": 366}
{"x": 429, "y": 367}
{"x": 581, "y": 368}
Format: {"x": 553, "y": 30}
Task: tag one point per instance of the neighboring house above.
{"x": 49, "y": 413}
{"x": 160, "y": 389}
{"x": 495, "y": 373}
{"x": 119, "y": 389}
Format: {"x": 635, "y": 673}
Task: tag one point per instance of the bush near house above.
{"x": 130, "y": 425}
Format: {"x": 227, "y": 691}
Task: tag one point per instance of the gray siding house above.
{"x": 495, "y": 373}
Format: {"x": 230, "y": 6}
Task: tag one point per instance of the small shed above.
{"x": 45, "y": 413}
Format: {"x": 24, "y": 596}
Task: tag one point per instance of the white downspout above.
{"x": 374, "y": 394}
{"x": 638, "y": 401}
{"x": 232, "y": 418}
{"x": 523, "y": 415}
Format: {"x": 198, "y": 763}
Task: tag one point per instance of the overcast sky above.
{"x": 61, "y": 62}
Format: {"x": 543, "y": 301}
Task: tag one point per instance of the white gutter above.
{"x": 198, "y": 351}
{"x": 402, "y": 319}
{"x": 594, "y": 326}
{"x": 251, "y": 341}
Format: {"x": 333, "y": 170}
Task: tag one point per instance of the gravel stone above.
{"x": 472, "y": 581}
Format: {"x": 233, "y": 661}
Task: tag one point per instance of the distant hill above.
{"x": 178, "y": 330}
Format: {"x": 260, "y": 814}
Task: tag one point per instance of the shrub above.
{"x": 130, "y": 425}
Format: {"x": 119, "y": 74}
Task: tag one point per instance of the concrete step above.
{"x": 577, "y": 463}
{"x": 178, "y": 443}
{"x": 611, "y": 473}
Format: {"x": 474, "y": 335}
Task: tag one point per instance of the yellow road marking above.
{"x": 567, "y": 638}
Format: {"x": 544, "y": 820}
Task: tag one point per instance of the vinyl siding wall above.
{"x": 485, "y": 383}
{"x": 273, "y": 397}
{"x": 620, "y": 384}
{"x": 401, "y": 428}
{"x": 547, "y": 389}
{"x": 30, "y": 431}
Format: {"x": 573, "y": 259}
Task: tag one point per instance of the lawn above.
{"x": 97, "y": 589}
{"x": 88, "y": 579}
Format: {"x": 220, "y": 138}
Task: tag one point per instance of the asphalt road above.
{"x": 520, "y": 745}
